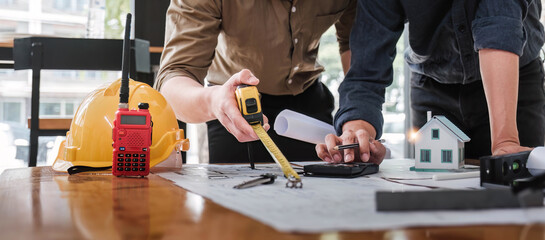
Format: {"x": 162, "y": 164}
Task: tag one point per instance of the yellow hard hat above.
{"x": 89, "y": 141}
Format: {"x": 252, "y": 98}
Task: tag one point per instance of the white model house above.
{"x": 439, "y": 144}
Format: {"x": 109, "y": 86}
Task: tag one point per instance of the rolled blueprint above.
{"x": 536, "y": 161}
{"x": 301, "y": 127}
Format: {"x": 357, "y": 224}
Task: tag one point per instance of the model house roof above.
{"x": 450, "y": 126}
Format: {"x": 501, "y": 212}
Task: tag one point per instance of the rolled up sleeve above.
{"x": 377, "y": 28}
{"x": 498, "y": 25}
{"x": 192, "y": 28}
{"x": 344, "y": 25}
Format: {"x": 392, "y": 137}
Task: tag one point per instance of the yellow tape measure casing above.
{"x": 249, "y": 104}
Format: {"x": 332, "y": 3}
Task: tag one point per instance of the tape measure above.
{"x": 250, "y": 107}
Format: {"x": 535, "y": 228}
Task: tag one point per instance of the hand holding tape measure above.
{"x": 225, "y": 109}
{"x": 250, "y": 106}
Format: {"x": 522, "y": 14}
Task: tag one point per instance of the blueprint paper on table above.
{"x": 333, "y": 204}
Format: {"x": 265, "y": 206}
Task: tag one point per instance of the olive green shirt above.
{"x": 275, "y": 39}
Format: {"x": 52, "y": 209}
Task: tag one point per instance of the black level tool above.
{"x": 504, "y": 169}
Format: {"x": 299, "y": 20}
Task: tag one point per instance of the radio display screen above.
{"x": 133, "y": 120}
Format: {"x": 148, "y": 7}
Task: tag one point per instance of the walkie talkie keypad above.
{"x": 133, "y": 161}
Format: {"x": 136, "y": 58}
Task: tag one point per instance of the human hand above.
{"x": 508, "y": 148}
{"x": 369, "y": 150}
{"x": 225, "y": 108}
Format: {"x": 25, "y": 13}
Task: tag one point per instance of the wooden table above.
{"x": 38, "y": 203}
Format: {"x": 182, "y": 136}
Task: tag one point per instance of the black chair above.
{"x": 37, "y": 53}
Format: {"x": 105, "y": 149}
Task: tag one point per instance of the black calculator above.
{"x": 340, "y": 170}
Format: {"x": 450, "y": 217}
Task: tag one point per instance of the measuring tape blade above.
{"x": 294, "y": 181}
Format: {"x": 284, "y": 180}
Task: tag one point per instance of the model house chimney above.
{"x": 429, "y": 115}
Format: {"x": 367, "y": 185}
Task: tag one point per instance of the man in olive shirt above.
{"x": 271, "y": 44}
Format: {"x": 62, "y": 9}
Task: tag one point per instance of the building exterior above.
{"x": 439, "y": 144}
{"x": 61, "y": 91}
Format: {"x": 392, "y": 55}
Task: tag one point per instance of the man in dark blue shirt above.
{"x": 476, "y": 62}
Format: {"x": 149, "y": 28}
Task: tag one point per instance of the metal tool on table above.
{"x": 267, "y": 178}
{"x": 250, "y": 107}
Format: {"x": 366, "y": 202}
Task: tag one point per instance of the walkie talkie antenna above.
{"x": 125, "y": 67}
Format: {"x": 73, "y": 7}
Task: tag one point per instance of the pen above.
{"x": 354, "y": 145}
{"x": 452, "y": 176}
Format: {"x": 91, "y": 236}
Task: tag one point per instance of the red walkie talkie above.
{"x": 132, "y": 130}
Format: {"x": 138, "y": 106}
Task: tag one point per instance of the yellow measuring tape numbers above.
{"x": 250, "y": 107}
{"x": 294, "y": 181}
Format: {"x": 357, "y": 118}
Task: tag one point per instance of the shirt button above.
{"x": 296, "y": 68}
{"x": 293, "y": 9}
{"x": 462, "y": 28}
{"x": 296, "y": 40}
{"x": 290, "y": 81}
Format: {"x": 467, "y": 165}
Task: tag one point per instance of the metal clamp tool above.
{"x": 267, "y": 178}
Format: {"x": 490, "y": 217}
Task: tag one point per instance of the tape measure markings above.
{"x": 275, "y": 152}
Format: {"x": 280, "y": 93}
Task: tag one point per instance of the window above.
{"x": 425, "y": 155}
{"x": 11, "y": 112}
{"x": 63, "y": 90}
{"x": 50, "y": 109}
{"x": 435, "y": 133}
{"x": 60, "y": 108}
{"x": 69, "y": 109}
{"x": 14, "y": 4}
{"x": 446, "y": 156}
{"x": 461, "y": 155}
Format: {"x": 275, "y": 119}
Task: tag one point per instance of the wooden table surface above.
{"x": 38, "y": 203}
{"x": 6, "y": 44}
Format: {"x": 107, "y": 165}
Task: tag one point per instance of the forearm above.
{"x": 499, "y": 71}
{"x": 189, "y": 99}
{"x": 345, "y": 61}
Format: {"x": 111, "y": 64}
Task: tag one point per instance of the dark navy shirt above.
{"x": 444, "y": 37}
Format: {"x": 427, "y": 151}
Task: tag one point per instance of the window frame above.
{"x": 432, "y": 131}
{"x": 443, "y": 151}
{"x": 422, "y": 151}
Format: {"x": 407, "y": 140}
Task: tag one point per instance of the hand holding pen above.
{"x": 355, "y": 145}
{"x": 363, "y": 150}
